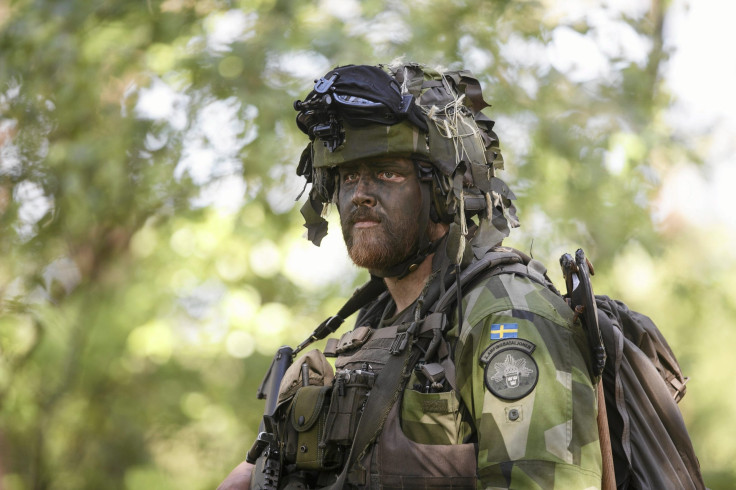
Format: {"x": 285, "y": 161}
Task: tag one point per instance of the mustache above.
{"x": 364, "y": 214}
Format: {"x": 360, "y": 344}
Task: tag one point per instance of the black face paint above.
{"x": 379, "y": 204}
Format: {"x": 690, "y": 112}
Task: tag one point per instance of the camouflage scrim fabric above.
{"x": 524, "y": 380}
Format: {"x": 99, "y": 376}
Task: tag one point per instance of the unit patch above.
{"x": 510, "y": 371}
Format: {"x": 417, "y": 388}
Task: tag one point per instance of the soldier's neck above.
{"x": 405, "y": 291}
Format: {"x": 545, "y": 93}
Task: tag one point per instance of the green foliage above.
{"x": 152, "y": 252}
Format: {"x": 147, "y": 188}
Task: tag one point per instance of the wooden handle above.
{"x": 609, "y": 474}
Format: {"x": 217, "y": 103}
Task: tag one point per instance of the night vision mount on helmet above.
{"x": 359, "y": 112}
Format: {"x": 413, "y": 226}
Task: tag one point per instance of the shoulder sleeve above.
{"x": 523, "y": 378}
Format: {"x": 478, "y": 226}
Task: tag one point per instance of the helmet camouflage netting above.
{"x": 408, "y": 110}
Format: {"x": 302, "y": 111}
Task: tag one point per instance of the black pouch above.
{"x": 349, "y": 396}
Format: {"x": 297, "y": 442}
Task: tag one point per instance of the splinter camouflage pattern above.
{"x": 553, "y": 441}
{"x": 547, "y": 438}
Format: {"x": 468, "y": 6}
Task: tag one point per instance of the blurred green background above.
{"x": 151, "y": 252}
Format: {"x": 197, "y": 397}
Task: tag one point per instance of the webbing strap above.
{"x": 474, "y": 270}
{"x": 361, "y": 297}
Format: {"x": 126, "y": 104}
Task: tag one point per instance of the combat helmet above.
{"x": 432, "y": 117}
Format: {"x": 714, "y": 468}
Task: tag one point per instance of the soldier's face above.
{"x": 379, "y": 203}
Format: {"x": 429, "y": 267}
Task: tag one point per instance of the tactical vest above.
{"x": 319, "y": 425}
{"x": 395, "y": 461}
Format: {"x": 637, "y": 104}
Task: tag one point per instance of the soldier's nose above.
{"x": 363, "y": 194}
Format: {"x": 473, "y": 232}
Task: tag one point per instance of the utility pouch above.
{"x": 349, "y": 395}
{"x": 432, "y": 417}
{"x": 305, "y": 425}
{"x": 311, "y": 369}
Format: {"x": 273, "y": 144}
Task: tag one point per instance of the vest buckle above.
{"x": 399, "y": 343}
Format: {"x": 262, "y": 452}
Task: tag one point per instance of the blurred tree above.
{"x": 152, "y": 256}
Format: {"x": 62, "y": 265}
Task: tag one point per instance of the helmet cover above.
{"x": 406, "y": 110}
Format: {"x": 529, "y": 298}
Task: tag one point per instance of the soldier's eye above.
{"x": 389, "y": 175}
{"x": 349, "y": 178}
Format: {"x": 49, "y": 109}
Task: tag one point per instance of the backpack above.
{"x": 643, "y": 383}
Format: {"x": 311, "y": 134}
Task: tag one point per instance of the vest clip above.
{"x": 399, "y": 343}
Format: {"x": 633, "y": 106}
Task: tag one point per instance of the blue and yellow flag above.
{"x": 504, "y": 331}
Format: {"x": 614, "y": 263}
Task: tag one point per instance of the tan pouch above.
{"x": 319, "y": 373}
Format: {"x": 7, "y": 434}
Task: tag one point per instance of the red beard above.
{"x": 381, "y": 246}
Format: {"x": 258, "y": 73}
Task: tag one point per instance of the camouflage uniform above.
{"x": 548, "y": 437}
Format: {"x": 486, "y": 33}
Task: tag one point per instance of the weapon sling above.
{"x": 361, "y": 297}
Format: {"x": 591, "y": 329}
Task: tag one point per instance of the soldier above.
{"x": 468, "y": 369}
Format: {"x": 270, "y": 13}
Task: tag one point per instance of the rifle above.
{"x": 268, "y": 468}
{"x": 266, "y": 451}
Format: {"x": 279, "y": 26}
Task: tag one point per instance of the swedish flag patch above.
{"x": 504, "y": 331}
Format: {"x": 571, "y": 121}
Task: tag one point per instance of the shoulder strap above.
{"x": 361, "y": 297}
{"x": 502, "y": 260}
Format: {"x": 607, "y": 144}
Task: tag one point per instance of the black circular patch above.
{"x": 511, "y": 374}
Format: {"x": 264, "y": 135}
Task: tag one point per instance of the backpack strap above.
{"x": 500, "y": 260}
{"x": 490, "y": 261}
